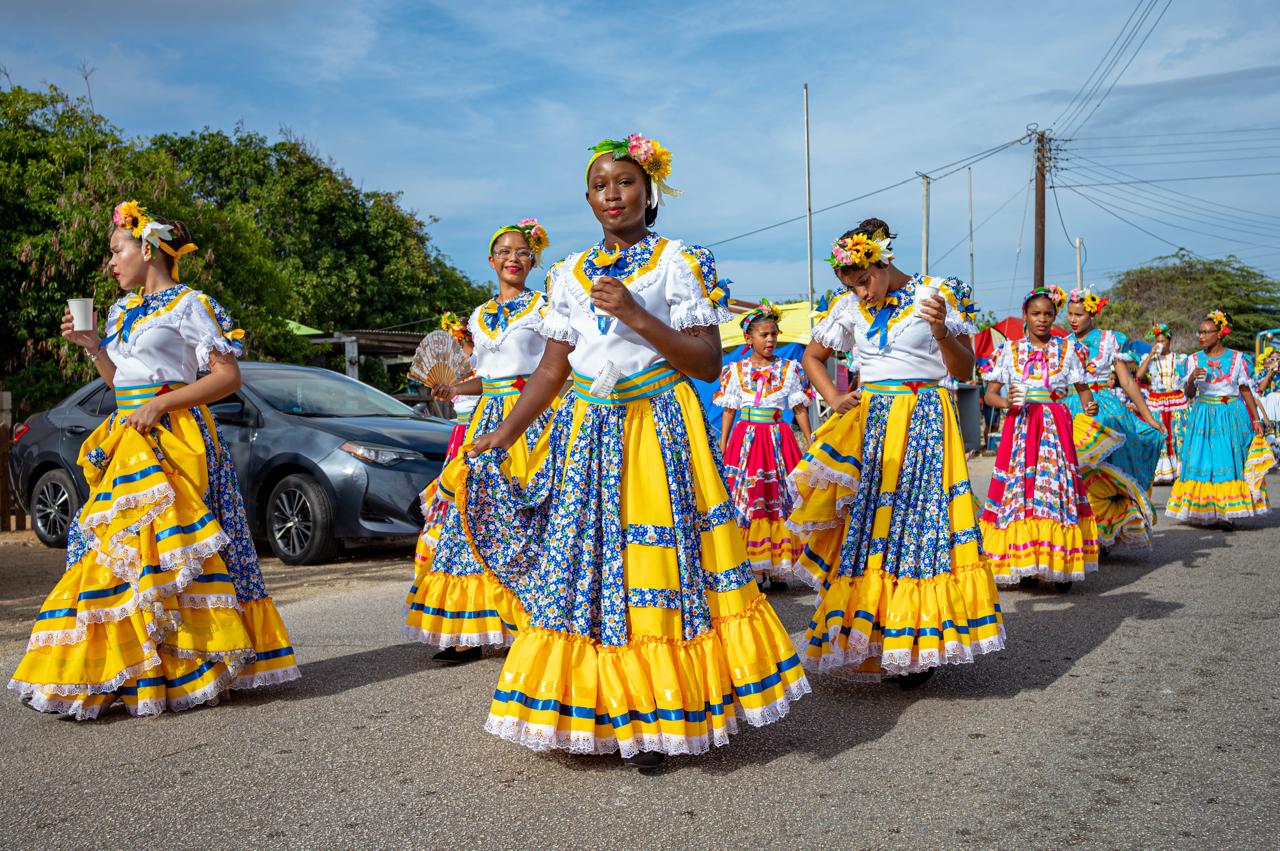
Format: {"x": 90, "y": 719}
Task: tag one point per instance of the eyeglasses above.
{"x": 520, "y": 253}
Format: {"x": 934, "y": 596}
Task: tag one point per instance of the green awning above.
{"x": 302, "y": 330}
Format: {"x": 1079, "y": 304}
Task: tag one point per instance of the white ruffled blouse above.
{"x": 507, "y": 335}
{"x": 780, "y": 385}
{"x": 1225, "y": 374}
{"x": 670, "y": 279}
{"x": 901, "y": 346}
{"x": 167, "y": 336}
{"x": 1058, "y": 366}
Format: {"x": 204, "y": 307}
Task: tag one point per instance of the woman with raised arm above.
{"x": 1223, "y": 466}
{"x": 162, "y": 605}
{"x": 647, "y": 634}
{"x": 454, "y": 604}
{"x": 1124, "y": 516}
{"x": 883, "y": 495}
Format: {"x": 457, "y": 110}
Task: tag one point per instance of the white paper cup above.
{"x": 1017, "y": 394}
{"x": 81, "y": 313}
{"x": 924, "y": 291}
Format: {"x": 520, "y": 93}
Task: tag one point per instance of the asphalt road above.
{"x": 1138, "y": 710}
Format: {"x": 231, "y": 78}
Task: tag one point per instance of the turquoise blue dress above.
{"x": 1140, "y": 453}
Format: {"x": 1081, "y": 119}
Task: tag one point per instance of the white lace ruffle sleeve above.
{"x": 689, "y": 290}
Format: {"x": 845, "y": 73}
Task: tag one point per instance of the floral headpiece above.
{"x": 1219, "y": 318}
{"x": 1089, "y": 300}
{"x": 766, "y": 310}
{"x": 1157, "y": 330}
{"x": 1266, "y": 353}
{"x": 1053, "y": 292}
{"x": 134, "y": 217}
{"x": 860, "y": 251}
{"x": 456, "y": 327}
{"x": 646, "y": 153}
{"x": 532, "y": 231}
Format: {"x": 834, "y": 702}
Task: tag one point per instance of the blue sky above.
{"x": 481, "y": 113}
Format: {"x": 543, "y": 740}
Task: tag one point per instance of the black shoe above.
{"x": 1226, "y": 525}
{"x": 907, "y": 682}
{"x": 1103, "y": 552}
{"x": 458, "y": 655}
{"x": 777, "y": 585}
{"x": 1029, "y": 582}
{"x": 645, "y": 759}
{"x": 1062, "y": 587}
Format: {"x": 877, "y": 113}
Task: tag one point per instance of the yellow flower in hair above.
{"x": 659, "y": 165}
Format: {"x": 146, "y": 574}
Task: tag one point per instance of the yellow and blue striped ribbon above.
{"x": 1040, "y": 394}
{"x": 760, "y": 415}
{"x": 1218, "y": 400}
{"x": 909, "y": 387}
{"x": 502, "y": 386}
{"x": 642, "y": 385}
{"x": 130, "y": 398}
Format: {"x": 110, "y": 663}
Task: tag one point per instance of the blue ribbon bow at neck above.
{"x": 135, "y": 309}
{"x": 502, "y": 311}
{"x": 880, "y": 325}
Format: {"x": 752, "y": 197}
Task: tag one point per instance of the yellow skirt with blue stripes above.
{"x": 646, "y": 630}
{"x": 891, "y": 539}
{"x": 453, "y": 601}
{"x": 148, "y": 612}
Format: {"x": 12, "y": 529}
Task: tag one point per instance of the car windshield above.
{"x": 320, "y": 393}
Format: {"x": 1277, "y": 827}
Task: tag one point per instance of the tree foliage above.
{"x": 282, "y": 235}
{"x": 1181, "y": 288}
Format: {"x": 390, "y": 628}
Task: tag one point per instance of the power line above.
{"x": 1165, "y": 196}
{"x": 959, "y": 164}
{"x": 1178, "y": 215}
{"x": 1182, "y": 133}
{"x": 1132, "y": 56}
{"x": 1129, "y": 223}
{"x": 1231, "y": 145}
{"x": 1189, "y": 162}
{"x": 961, "y": 241}
{"x": 1169, "y": 179}
{"x": 1061, "y": 220}
{"x": 1111, "y": 58}
{"x": 1096, "y": 67}
{"x": 1158, "y": 220}
{"x": 1125, "y": 174}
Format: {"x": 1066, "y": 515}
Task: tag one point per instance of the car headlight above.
{"x": 379, "y": 454}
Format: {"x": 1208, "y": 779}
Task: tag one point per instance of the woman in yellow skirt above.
{"x": 162, "y": 605}
{"x": 884, "y": 500}
{"x": 647, "y": 634}
{"x": 454, "y": 604}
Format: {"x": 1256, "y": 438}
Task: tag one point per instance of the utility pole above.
{"x": 924, "y": 228}
{"x": 1042, "y": 165}
{"x": 972, "y": 282}
{"x": 1079, "y": 265}
{"x": 808, "y": 203}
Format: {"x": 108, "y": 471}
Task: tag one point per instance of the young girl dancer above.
{"x": 454, "y": 604}
{"x": 1163, "y": 367}
{"x": 1124, "y": 515}
{"x": 646, "y": 631}
{"x": 162, "y": 604}
{"x": 761, "y": 450}
{"x": 1037, "y": 521}
{"x": 464, "y": 404}
{"x": 883, "y": 493}
{"x": 1221, "y": 479}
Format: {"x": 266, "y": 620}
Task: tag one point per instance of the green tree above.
{"x": 282, "y": 235}
{"x": 1181, "y": 288}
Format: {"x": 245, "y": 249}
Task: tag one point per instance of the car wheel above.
{"x": 300, "y": 521}
{"x": 54, "y": 504}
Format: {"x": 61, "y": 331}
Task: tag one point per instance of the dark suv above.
{"x": 322, "y": 459}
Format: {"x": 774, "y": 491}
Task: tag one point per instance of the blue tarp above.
{"x": 707, "y": 389}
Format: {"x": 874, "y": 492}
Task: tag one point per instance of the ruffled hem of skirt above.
{"x": 620, "y": 712}
{"x": 1040, "y": 547}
